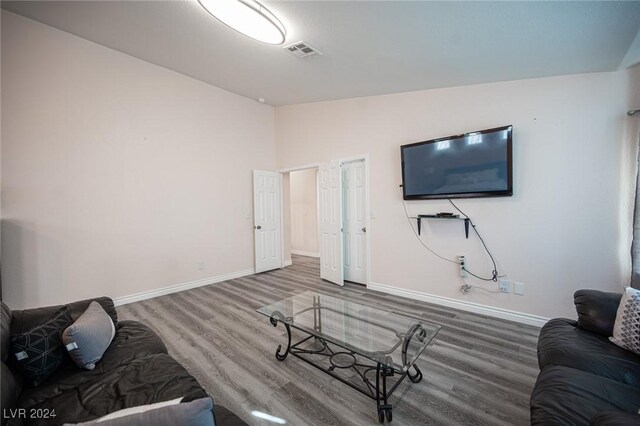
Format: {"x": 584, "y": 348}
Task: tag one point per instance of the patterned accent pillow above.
{"x": 626, "y": 330}
{"x": 39, "y": 352}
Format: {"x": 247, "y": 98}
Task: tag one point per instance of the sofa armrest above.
{"x": 597, "y": 310}
{"x": 27, "y": 319}
{"x": 614, "y": 418}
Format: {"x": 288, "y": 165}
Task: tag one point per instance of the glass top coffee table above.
{"x": 368, "y": 348}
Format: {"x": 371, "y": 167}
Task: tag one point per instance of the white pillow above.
{"x": 626, "y": 330}
{"x": 138, "y": 409}
{"x": 198, "y": 412}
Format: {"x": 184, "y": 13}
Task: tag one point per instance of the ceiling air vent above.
{"x": 302, "y": 49}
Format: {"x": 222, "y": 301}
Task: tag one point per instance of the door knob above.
{"x": 257, "y": 227}
{"x": 364, "y": 229}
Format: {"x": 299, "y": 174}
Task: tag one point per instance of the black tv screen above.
{"x": 476, "y": 164}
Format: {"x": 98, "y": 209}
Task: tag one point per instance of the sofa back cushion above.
{"x": 597, "y": 310}
{"x": 78, "y": 308}
{"x": 25, "y": 320}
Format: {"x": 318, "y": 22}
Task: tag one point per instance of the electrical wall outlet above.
{"x": 462, "y": 262}
{"x": 201, "y": 266}
{"x": 504, "y": 286}
{"x": 518, "y": 288}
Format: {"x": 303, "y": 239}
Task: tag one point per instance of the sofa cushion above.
{"x": 10, "y": 388}
{"x": 89, "y": 336}
{"x": 614, "y": 418}
{"x": 78, "y": 308}
{"x": 26, "y": 319}
{"x": 566, "y": 396}
{"x": 39, "y": 352}
{"x": 562, "y": 343}
{"x": 596, "y": 310}
{"x": 133, "y": 340}
{"x": 140, "y": 381}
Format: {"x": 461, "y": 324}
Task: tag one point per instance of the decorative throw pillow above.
{"x": 89, "y": 337}
{"x": 39, "y": 352}
{"x": 626, "y": 330}
{"x": 198, "y": 412}
{"x": 138, "y": 409}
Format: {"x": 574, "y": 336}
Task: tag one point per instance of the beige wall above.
{"x": 561, "y": 231}
{"x": 118, "y": 176}
{"x": 304, "y": 212}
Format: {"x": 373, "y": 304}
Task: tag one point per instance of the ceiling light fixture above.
{"x": 247, "y": 17}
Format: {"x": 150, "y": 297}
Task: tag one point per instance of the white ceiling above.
{"x": 370, "y": 47}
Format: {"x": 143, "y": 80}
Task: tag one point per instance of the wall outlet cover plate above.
{"x": 518, "y": 288}
{"x": 504, "y": 286}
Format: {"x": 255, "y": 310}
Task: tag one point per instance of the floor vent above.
{"x": 302, "y": 50}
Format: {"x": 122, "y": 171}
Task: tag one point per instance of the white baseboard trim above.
{"x": 462, "y": 305}
{"x": 180, "y": 287}
{"x": 288, "y": 262}
{"x": 305, "y": 253}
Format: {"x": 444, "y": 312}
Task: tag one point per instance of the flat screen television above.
{"x": 476, "y": 164}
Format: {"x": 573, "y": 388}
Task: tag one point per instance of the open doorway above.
{"x": 303, "y": 214}
{"x": 325, "y": 218}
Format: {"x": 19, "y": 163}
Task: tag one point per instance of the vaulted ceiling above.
{"x": 369, "y": 47}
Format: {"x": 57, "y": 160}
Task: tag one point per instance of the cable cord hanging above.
{"x": 404, "y": 204}
{"x": 494, "y": 273}
{"x": 466, "y": 288}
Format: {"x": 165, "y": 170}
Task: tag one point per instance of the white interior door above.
{"x": 330, "y": 220}
{"x": 354, "y": 222}
{"x": 266, "y": 216}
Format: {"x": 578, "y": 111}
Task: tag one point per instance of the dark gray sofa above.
{"x": 135, "y": 370}
{"x": 584, "y": 378}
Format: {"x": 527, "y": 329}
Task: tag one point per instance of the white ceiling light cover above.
{"x": 247, "y": 17}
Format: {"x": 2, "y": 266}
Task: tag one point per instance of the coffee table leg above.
{"x": 281, "y": 357}
{"x": 415, "y": 378}
{"x": 384, "y": 408}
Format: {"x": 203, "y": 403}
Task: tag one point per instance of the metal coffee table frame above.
{"x": 380, "y": 391}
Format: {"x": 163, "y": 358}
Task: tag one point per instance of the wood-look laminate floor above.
{"x": 479, "y": 370}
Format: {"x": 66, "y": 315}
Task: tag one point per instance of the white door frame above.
{"x": 367, "y": 203}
